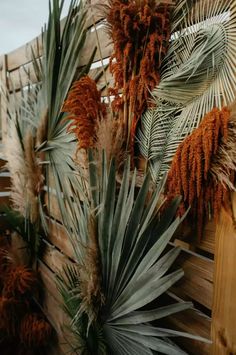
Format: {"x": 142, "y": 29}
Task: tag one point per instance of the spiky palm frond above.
{"x": 38, "y": 111}
{"x": 198, "y": 74}
{"x": 133, "y": 269}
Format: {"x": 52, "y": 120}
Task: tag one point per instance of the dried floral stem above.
{"x": 190, "y": 173}
{"x": 85, "y": 109}
{"x": 140, "y": 31}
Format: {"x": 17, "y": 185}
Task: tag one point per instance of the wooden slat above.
{"x": 208, "y": 240}
{"x": 22, "y": 55}
{"x": 20, "y": 77}
{"x": 197, "y": 283}
{"x": 52, "y": 308}
{"x": 224, "y": 304}
{"x": 58, "y": 236}
{"x": 4, "y": 87}
{"x": 193, "y": 322}
{"x": 54, "y": 259}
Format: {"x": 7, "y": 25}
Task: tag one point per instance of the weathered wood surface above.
{"x": 224, "y": 303}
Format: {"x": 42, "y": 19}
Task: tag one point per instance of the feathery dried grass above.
{"x": 34, "y": 177}
{"x": 26, "y": 173}
{"x": 41, "y": 134}
{"x": 111, "y": 139}
{"x": 90, "y": 278}
{"x": 16, "y": 165}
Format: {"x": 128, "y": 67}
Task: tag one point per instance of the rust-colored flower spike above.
{"x": 190, "y": 174}
{"x": 85, "y": 109}
{"x": 140, "y": 31}
{"x": 35, "y": 331}
{"x": 11, "y": 311}
{"x": 20, "y": 281}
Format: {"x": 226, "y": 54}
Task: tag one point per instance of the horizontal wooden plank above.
{"x": 197, "y": 283}
{"x": 4, "y": 182}
{"x": 193, "y": 322}
{"x": 24, "y": 75}
{"x": 208, "y": 239}
{"x": 188, "y": 236}
{"x": 23, "y": 54}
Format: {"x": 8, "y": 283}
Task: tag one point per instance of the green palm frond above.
{"x": 198, "y": 74}
{"x": 38, "y": 110}
{"x": 131, "y": 238}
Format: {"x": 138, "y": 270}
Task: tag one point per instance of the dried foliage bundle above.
{"x": 11, "y": 311}
{"x": 111, "y": 139}
{"x": 140, "y": 32}
{"x": 35, "y": 331}
{"x": 18, "y": 321}
{"x": 26, "y": 173}
{"x": 85, "y": 109}
{"x": 19, "y": 282}
{"x": 90, "y": 278}
{"x": 190, "y": 173}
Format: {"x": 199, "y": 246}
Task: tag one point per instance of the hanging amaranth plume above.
{"x": 140, "y": 32}
{"x": 85, "y": 109}
{"x": 190, "y": 173}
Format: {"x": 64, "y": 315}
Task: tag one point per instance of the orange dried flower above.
{"x": 190, "y": 175}
{"x": 19, "y": 282}
{"x": 35, "y": 331}
{"x": 85, "y": 109}
{"x": 11, "y": 310}
{"x": 140, "y": 32}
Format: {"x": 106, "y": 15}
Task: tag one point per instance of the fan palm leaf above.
{"x": 197, "y": 75}
{"x": 131, "y": 240}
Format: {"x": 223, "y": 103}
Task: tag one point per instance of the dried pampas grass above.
{"x": 16, "y": 165}
{"x": 35, "y": 179}
{"x": 111, "y": 139}
{"x": 90, "y": 278}
{"x": 26, "y": 173}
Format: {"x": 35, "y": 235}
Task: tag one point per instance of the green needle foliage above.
{"x": 127, "y": 262}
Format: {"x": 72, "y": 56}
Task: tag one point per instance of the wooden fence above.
{"x": 210, "y": 277}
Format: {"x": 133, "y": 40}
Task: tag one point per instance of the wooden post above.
{"x": 224, "y": 303}
{"x": 3, "y": 103}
